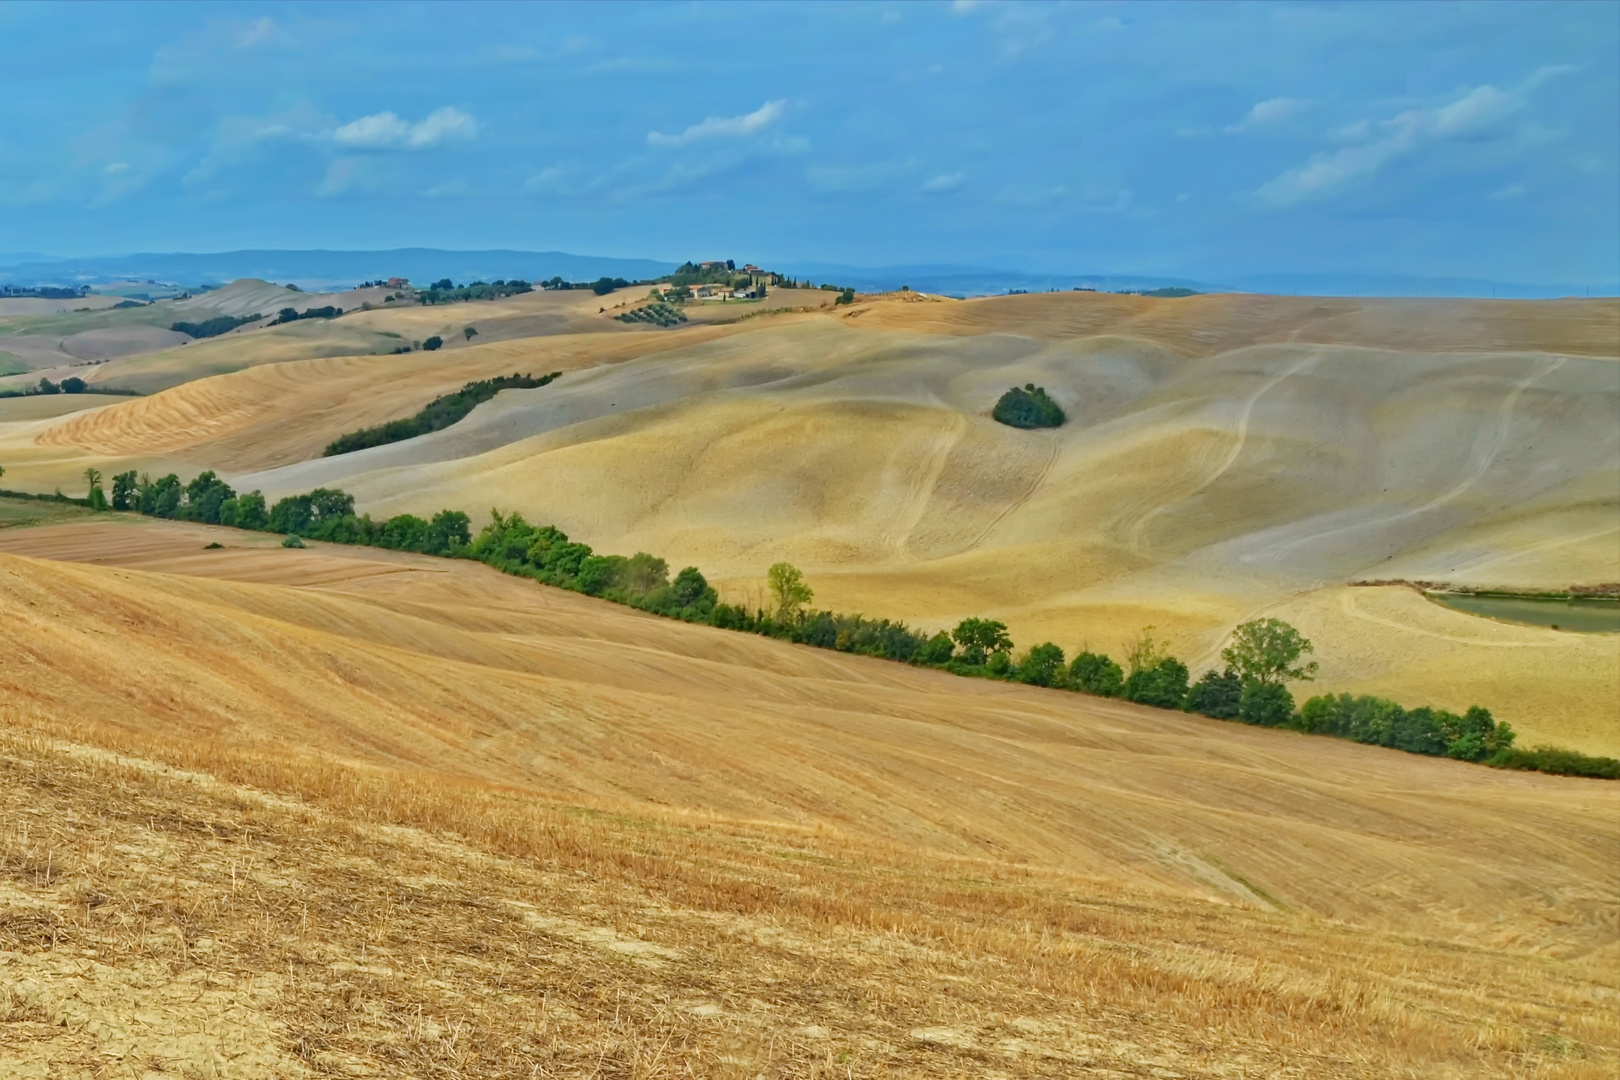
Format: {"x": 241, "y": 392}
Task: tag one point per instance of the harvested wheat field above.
{"x": 1226, "y": 457}
{"x": 339, "y": 811}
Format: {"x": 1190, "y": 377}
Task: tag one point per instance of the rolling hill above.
{"x": 1227, "y": 457}
{"x": 383, "y": 814}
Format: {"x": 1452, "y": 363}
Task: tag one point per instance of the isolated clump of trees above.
{"x": 219, "y": 324}
{"x": 436, "y": 415}
{"x": 1028, "y": 407}
{"x": 1259, "y": 662}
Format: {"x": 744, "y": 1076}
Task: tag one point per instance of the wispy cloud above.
{"x": 341, "y": 176}
{"x": 385, "y": 131}
{"x": 1482, "y": 113}
{"x": 1276, "y": 110}
{"x": 262, "y": 31}
{"x": 945, "y": 182}
{"x": 723, "y": 127}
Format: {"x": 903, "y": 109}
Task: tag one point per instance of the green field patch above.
{"x": 1581, "y": 614}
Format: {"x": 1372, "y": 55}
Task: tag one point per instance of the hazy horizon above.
{"x": 1214, "y": 143}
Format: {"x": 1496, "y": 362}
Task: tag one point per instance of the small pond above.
{"x": 1585, "y": 615}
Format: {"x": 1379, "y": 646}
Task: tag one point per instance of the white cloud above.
{"x": 342, "y": 175}
{"x": 385, "y": 131}
{"x": 943, "y": 183}
{"x": 115, "y": 168}
{"x": 1512, "y": 191}
{"x": 716, "y": 126}
{"x": 1271, "y": 111}
{"x": 259, "y": 32}
{"x": 964, "y": 7}
{"x": 1482, "y": 113}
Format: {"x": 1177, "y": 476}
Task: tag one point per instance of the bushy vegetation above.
{"x": 658, "y": 314}
{"x": 436, "y": 415}
{"x": 287, "y": 314}
{"x": 444, "y": 291}
{"x": 601, "y": 286}
{"x": 70, "y": 385}
{"x": 1263, "y": 656}
{"x": 222, "y": 324}
{"x": 1028, "y": 407}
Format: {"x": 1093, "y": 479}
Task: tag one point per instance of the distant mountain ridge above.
{"x": 321, "y": 270}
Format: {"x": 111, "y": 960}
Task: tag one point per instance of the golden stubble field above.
{"x": 346, "y": 812}
{"x": 1227, "y": 457}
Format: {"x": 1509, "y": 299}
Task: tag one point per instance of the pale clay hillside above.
{"x": 342, "y": 811}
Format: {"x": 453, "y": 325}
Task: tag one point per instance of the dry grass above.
{"x": 500, "y": 936}
{"x": 258, "y": 830}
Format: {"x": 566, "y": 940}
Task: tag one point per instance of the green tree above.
{"x": 1163, "y": 684}
{"x": 98, "y": 498}
{"x": 936, "y": 650}
{"x": 1265, "y": 704}
{"x": 1043, "y": 666}
{"x": 470, "y": 332}
{"x": 433, "y": 343}
{"x": 788, "y": 588}
{"x": 1028, "y": 407}
{"x": 123, "y": 487}
{"x": 1268, "y": 651}
{"x": 980, "y": 639}
{"x": 1217, "y": 694}
{"x": 691, "y": 589}
{"x": 1096, "y": 674}
{"x": 643, "y": 573}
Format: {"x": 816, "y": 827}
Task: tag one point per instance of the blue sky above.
{"x": 1200, "y": 140}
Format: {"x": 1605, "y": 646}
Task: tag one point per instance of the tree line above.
{"x": 223, "y": 324}
{"x": 436, "y": 415}
{"x": 1261, "y": 659}
{"x": 444, "y": 291}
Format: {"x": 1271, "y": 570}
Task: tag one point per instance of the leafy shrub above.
{"x": 1217, "y": 695}
{"x": 1028, "y": 407}
{"x": 432, "y": 343}
{"x": 1043, "y": 666}
{"x": 1164, "y": 684}
{"x": 1096, "y": 674}
{"x": 1550, "y": 759}
{"x": 1265, "y": 704}
{"x": 292, "y": 542}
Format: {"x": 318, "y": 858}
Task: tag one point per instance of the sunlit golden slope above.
{"x": 762, "y": 857}
{"x": 1205, "y": 325}
{"x": 1226, "y": 457}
